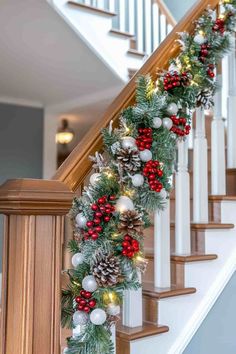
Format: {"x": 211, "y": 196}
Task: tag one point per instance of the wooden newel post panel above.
{"x": 34, "y": 230}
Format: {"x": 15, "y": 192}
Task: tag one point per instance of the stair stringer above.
{"x": 185, "y": 314}
{"x": 94, "y": 29}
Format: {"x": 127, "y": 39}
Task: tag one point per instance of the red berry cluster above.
{"x": 219, "y": 26}
{"x": 153, "y": 172}
{"x": 180, "y": 126}
{"x": 172, "y": 80}
{"x": 210, "y": 71}
{"x": 103, "y": 210}
{"x": 144, "y": 140}
{"x": 204, "y": 52}
{"x": 130, "y": 246}
{"x": 85, "y": 301}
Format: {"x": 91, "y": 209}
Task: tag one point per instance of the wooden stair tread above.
{"x": 136, "y": 52}
{"x": 146, "y": 330}
{"x": 208, "y": 226}
{"x": 92, "y": 8}
{"x": 121, "y": 33}
{"x": 160, "y": 293}
{"x": 194, "y": 257}
{"x": 222, "y": 198}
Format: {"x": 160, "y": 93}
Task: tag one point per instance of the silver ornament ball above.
{"x": 145, "y": 155}
{"x": 167, "y": 123}
{"x": 94, "y": 178}
{"x": 172, "y": 109}
{"x": 157, "y": 122}
{"x": 89, "y": 283}
{"x": 128, "y": 142}
{"x": 199, "y": 39}
{"x": 80, "y": 318}
{"x": 77, "y": 259}
{"x": 80, "y": 220}
{"x": 124, "y": 203}
{"x": 113, "y": 310}
{"x": 163, "y": 193}
{"x": 98, "y": 317}
{"x": 137, "y": 180}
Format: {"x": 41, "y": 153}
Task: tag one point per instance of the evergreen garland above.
{"x": 151, "y": 128}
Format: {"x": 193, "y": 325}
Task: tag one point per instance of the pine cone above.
{"x": 129, "y": 159}
{"x": 106, "y": 270}
{"x": 131, "y": 222}
{"x": 204, "y": 99}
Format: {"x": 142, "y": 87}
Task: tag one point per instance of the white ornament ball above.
{"x": 80, "y": 220}
{"x": 89, "y": 283}
{"x": 157, "y": 122}
{"x": 94, "y": 178}
{"x": 98, "y": 317}
{"x": 77, "y": 259}
{"x": 113, "y": 310}
{"x": 124, "y": 203}
{"x": 80, "y": 318}
{"x": 173, "y": 67}
{"x": 137, "y": 180}
{"x": 145, "y": 155}
{"x": 128, "y": 142}
{"x": 167, "y": 123}
{"x": 172, "y": 108}
{"x": 163, "y": 193}
{"x": 199, "y": 39}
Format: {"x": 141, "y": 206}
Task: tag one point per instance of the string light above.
{"x": 110, "y": 297}
{"x": 129, "y": 193}
{"x": 202, "y": 33}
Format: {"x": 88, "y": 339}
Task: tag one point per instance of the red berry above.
{"x": 92, "y": 303}
{"x": 107, "y": 218}
{"x": 90, "y": 232}
{"x": 95, "y": 236}
{"x": 101, "y": 201}
{"x": 89, "y": 223}
{"x": 124, "y": 252}
{"x": 86, "y": 308}
{"x": 112, "y": 197}
{"x": 94, "y": 207}
{"x": 80, "y": 307}
{"x": 98, "y": 214}
{"x": 97, "y": 221}
{"x": 78, "y": 298}
{"x": 82, "y": 293}
{"x": 125, "y": 244}
{"x": 98, "y": 229}
{"x": 127, "y": 238}
{"x": 87, "y": 295}
{"x": 83, "y": 302}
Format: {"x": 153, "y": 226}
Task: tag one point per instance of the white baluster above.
{"x": 231, "y": 123}
{"x": 122, "y": 12}
{"x": 162, "y": 277}
{"x": 140, "y": 30}
{"x": 112, "y": 5}
{"x": 155, "y": 21}
{"x": 148, "y": 25}
{"x": 101, "y": 4}
{"x": 88, "y": 2}
{"x": 169, "y": 28}
{"x": 113, "y": 333}
{"x": 131, "y": 25}
{"x": 182, "y": 202}
{"x": 163, "y": 27}
{"x": 132, "y": 307}
{"x": 218, "y": 168}
{"x": 200, "y": 173}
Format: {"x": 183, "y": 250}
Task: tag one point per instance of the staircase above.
{"x": 135, "y": 28}
{"x": 189, "y": 263}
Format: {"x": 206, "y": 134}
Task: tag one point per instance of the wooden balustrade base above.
{"x": 160, "y": 293}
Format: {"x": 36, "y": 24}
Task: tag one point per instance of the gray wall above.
{"x": 179, "y": 7}
{"x": 217, "y": 333}
{"x": 21, "y": 145}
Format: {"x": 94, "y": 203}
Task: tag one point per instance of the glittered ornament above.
{"x": 89, "y": 283}
{"x": 137, "y": 180}
{"x": 157, "y": 122}
{"x": 77, "y": 259}
{"x": 80, "y": 220}
{"x": 113, "y": 310}
{"x": 124, "y": 203}
{"x": 199, "y": 39}
{"x": 128, "y": 142}
{"x": 172, "y": 108}
{"x": 98, "y": 317}
{"x": 80, "y": 318}
{"x": 167, "y": 123}
{"x": 145, "y": 155}
{"x": 94, "y": 178}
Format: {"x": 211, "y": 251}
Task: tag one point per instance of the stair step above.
{"x": 136, "y": 52}
{"x": 146, "y": 330}
{"x": 195, "y": 257}
{"x": 160, "y": 293}
{"x": 220, "y": 198}
{"x": 92, "y": 8}
{"x": 121, "y": 33}
{"x": 208, "y": 226}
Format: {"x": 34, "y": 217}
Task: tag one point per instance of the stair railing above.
{"x": 35, "y": 212}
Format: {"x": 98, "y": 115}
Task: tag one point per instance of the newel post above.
{"x": 34, "y": 230}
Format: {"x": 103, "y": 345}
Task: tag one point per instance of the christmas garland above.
{"x": 135, "y": 179}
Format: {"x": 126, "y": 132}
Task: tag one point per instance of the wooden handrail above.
{"x": 73, "y": 171}
{"x": 165, "y": 11}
